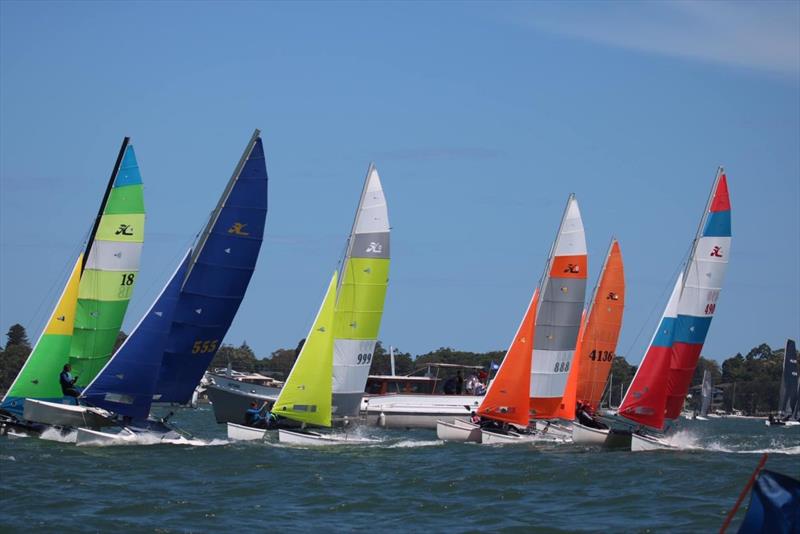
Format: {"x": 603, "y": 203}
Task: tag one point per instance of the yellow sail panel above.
{"x": 306, "y": 396}
{"x": 63, "y": 318}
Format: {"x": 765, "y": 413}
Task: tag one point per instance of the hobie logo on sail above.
{"x": 238, "y": 229}
{"x": 375, "y": 248}
{"x": 716, "y": 252}
{"x": 124, "y": 229}
{"x": 572, "y": 268}
{"x": 612, "y": 296}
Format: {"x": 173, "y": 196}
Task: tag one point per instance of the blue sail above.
{"x": 222, "y": 264}
{"x": 126, "y": 384}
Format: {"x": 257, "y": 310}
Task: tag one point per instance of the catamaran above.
{"x": 658, "y": 389}
{"x": 706, "y": 392}
{"x": 84, "y": 325}
{"x": 189, "y": 317}
{"x": 788, "y": 400}
{"x": 598, "y": 345}
{"x": 328, "y": 378}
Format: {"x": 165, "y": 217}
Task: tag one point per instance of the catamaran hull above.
{"x": 584, "y": 435}
{"x": 489, "y": 437}
{"x": 230, "y": 405}
{"x": 315, "y": 439}
{"x": 87, "y": 436}
{"x": 640, "y": 443}
{"x": 245, "y": 433}
{"x": 459, "y": 431}
{"x": 417, "y": 411}
{"x": 65, "y": 415}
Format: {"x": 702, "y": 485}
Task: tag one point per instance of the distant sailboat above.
{"x": 788, "y": 397}
{"x": 85, "y": 323}
{"x": 662, "y": 380}
{"x": 706, "y": 392}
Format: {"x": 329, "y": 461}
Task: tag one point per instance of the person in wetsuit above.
{"x": 255, "y": 419}
{"x": 67, "y": 381}
{"x": 583, "y": 412}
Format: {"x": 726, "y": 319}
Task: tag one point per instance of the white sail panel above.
{"x": 114, "y": 256}
{"x": 372, "y": 216}
{"x": 351, "y": 363}
{"x": 571, "y": 240}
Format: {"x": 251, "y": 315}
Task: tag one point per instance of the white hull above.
{"x": 783, "y": 423}
{"x": 56, "y": 414}
{"x": 317, "y": 439}
{"x": 245, "y": 433}
{"x": 94, "y": 437}
{"x": 641, "y": 443}
{"x": 417, "y": 411}
{"x": 584, "y": 435}
{"x": 701, "y": 418}
{"x": 458, "y": 431}
{"x": 554, "y": 430}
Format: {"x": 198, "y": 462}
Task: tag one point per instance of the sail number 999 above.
{"x": 364, "y": 358}
{"x": 201, "y": 347}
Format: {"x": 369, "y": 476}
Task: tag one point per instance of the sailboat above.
{"x": 506, "y": 400}
{"x": 84, "y": 325}
{"x": 197, "y": 304}
{"x": 358, "y": 311}
{"x": 706, "y": 392}
{"x": 788, "y": 398}
{"x": 328, "y": 378}
{"x": 598, "y": 345}
{"x": 662, "y": 380}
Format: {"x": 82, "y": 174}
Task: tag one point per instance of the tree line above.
{"x": 749, "y": 383}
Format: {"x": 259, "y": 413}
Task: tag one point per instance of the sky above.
{"x": 481, "y": 118}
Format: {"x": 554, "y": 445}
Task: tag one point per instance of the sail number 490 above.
{"x": 201, "y": 347}
{"x": 364, "y": 358}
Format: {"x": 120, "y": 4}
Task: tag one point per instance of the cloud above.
{"x": 758, "y": 35}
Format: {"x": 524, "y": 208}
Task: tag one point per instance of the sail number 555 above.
{"x": 201, "y": 347}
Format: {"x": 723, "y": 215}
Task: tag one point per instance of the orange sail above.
{"x": 507, "y": 398}
{"x": 599, "y": 340}
{"x": 566, "y": 410}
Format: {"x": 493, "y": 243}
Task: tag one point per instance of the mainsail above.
{"x": 604, "y": 321}
{"x": 87, "y": 317}
{"x": 306, "y": 396}
{"x": 507, "y": 398}
{"x": 646, "y": 396}
{"x": 219, "y": 272}
{"x": 360, "y": 297}
{"x": 110, "y": 267}
{"x": 126, "y": 384}
{"x": 558, "y": 315}
{"x": 702, "y": 283}
{"x": 787, "y": 405}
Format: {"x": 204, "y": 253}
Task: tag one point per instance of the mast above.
{"x": 546, "y": 274}
{"x": 349, "y": 248}
{"x": 96, "y": 226}
{"x": 702, "y": 224}
{"x": 221, "y": 203}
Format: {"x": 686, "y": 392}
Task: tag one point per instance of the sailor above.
{"x": 475, "y": 419}
{"x": 252, "y": 416}
{"x": 67, "y": 381}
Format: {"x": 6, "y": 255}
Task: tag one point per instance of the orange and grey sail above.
{"x": 507, "y": 397}
{"x": 598, "y": 343}
{"x": 558, "y": 314}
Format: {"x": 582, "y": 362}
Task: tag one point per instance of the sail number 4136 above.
{"x": 201, "y": 347}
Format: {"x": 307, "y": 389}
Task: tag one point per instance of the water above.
{"x": 409, "y": 481}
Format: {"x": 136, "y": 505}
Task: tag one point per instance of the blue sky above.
{"x": 481, "y": 118}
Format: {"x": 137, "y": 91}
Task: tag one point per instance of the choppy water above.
{"x": 410, "y": 481}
